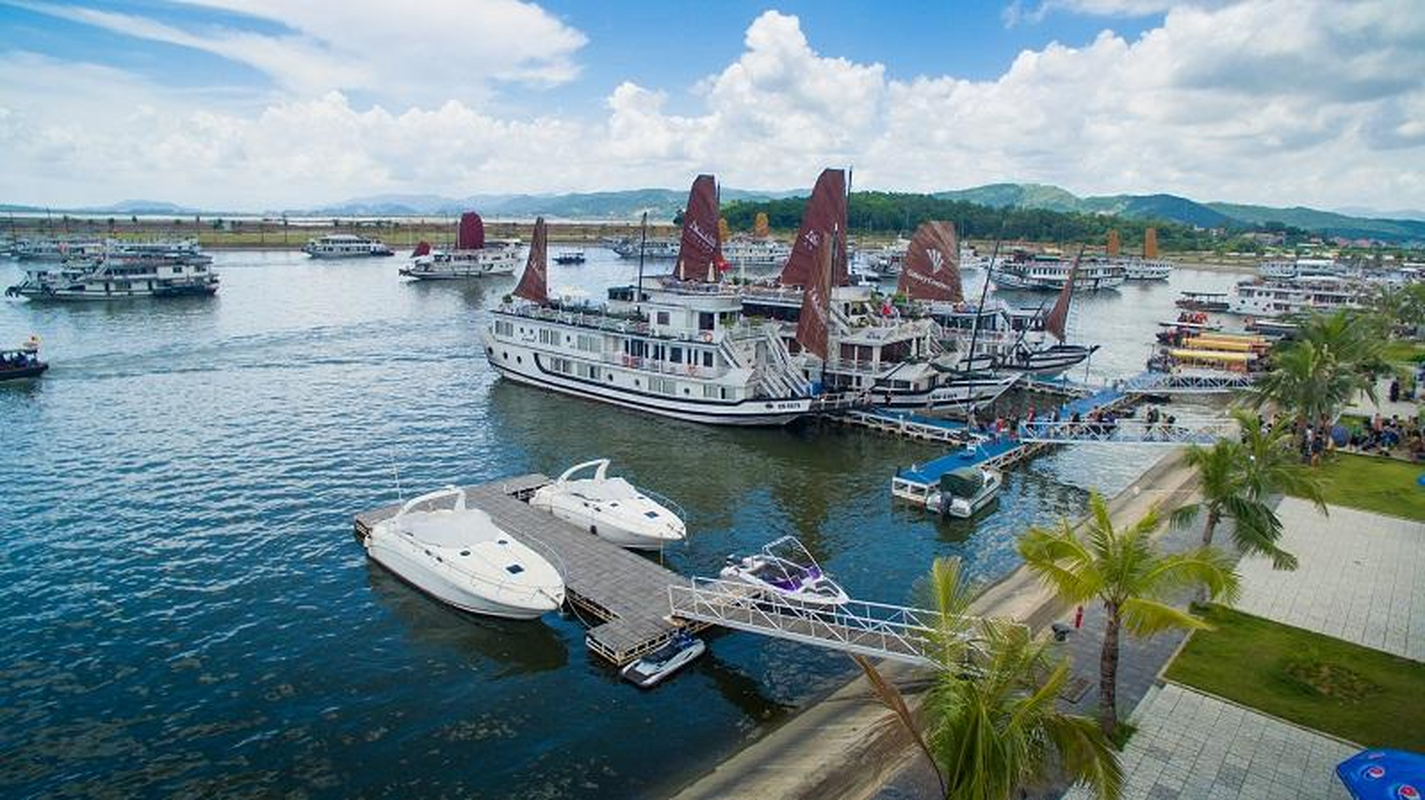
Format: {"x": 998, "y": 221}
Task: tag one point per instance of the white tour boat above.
{"x": 1048, "y": 272}
{"x": 681, "y": 350}
{"x": 1146, "y": 269}
{"x": 115, "y": 276}
{"x": 56, "y": 248}
{"x": 743, "y": 251}
{"x": 631, "y": 247}
{"x": 459, "y": 556}
{"x": 611, "y": 508}
{"x": 345, "y": 245}
{"x": 785, "y": 568}
{"x": 473, "y": 256}
{"x": 1261, "y": 298}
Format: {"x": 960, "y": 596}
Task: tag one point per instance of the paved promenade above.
{"x": 1196, "y": 747}
{"x": 1359, "y": 578}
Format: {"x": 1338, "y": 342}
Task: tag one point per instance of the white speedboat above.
{"x": 460, "y": 557}
{"x": 784, "y": 567}
{"x": 611, "y": 508}
{"x": 652, "y": 669}
{"x": 964, "y": 492}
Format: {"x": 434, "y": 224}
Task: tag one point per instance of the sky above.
{"x": 272, "y": 104}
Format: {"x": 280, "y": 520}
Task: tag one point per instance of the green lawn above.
{"x": 1335, "y": 687}
{"x": 1383, "y": 485}
{"x": 1402, "y": 352}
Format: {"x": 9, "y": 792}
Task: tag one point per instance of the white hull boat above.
{"x": 654, "y": 668}
{"x": 460, "y": 557}
{"x": 965, "y": 492}
{"x": 785, "y": 568}
{"x": 611, "y": 508}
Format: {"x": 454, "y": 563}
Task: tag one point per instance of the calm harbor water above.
{"x": 186, "y": 611}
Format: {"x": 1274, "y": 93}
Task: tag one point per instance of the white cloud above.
{"x": 1276, "y": 101}
{"x": 440, "y": 50}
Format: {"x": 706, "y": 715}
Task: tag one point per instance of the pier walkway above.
{"x": 875, "y": 630}
{"x": 1202, "y": 431}
{"x": 626, "y": 594}
{"x": 905, "y": 424}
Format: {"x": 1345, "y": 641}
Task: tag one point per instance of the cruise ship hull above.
{"x": 39, "y": 293}
{"x": 523, "y": 365}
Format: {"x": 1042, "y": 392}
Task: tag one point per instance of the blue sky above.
{"x": 261, "y": 102}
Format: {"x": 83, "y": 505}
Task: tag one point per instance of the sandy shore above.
{"x": 848, "y": 745}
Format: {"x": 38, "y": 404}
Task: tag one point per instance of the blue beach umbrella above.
{"x": 1383, "y": 775}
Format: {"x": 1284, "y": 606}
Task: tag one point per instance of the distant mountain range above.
{"x": 1180, "y": 209}
{"x": 664, "y": 204}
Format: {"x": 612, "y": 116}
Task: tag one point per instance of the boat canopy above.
{"x": 964, "y": 482}
{"x": 1211, "y": 355}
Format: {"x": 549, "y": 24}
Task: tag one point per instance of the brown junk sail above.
{"x": 932, "y": 264}
{"x": 825, "y": 213}
{"x": 812, "y": 325}
{"x": 534, "y": 283}
{"x": 471, "y": 235}
{"x": 700, "y": 254}
{"x": 1058, "y": 318}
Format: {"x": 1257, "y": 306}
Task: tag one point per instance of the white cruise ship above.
{"x": 1048, "y": 272}
{"x": 756, "y": 253}
{"x": 345, "y": 245}
{"x": 686, "y": 353}
{"x": 1266, "y": 298}
{"x": 629, "y": 247}
{"x": 1146, "y": 269}
{"x": 473, "y": 257}
{"x": 1288, "y": 269}
{"x": 117, "y": 276}
{"x": 56, "y": 248}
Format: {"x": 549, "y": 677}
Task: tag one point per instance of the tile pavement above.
{"x": 1359, "y": 578}
{"x": 1196, "y": 747}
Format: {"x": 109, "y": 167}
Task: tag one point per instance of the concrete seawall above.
{"x": 846, "y": 746}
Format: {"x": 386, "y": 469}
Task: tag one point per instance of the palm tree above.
{"x": 992, "y": 725}
{"x": 1333, "y": 358}
{"x": 1237, "y": 479}
{"x": 1125, "y": 571}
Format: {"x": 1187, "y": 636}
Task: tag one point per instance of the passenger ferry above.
{"x": 751, "y": 252}
{"x": 1146, "y": 269}
{"x": 1048, "y": 272}
{"x": 1285, "y": 270}
{"x": 630, "y": 246}
{"x": 497, "y": 257}
{"x": 118, "y": 276}
{"x": 1261, "y": 298}
{"x": 345, "y": 245}
{"x": 56, "y": 248}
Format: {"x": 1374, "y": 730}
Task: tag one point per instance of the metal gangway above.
{"x": 875, "y": 630}
{"x": 1185, "y": 383}
{"x": 1202, "y": 430}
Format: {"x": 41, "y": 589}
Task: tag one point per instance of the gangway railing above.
{"x": 1202, "y": 431}
{"x": 1186, "y": 383}
{"x": 875, "y": 630}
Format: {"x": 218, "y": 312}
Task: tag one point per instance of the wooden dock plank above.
{"x": 625, "y": 590}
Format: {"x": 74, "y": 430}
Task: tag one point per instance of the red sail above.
{"x": 700, "y": 254}
{"x": 932, "y": 264}
{"x": 1058, "y": 317}
{"x": 422, "y": 249}
{"x": 534, "y": 283}
{"x": 812, "y": 325}
{"x": 472, "y": 232}
{"x": 825, "y": 212}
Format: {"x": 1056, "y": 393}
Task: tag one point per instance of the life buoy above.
{"x": 707, "y": 336}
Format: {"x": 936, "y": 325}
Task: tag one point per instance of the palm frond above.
{"x": 1144, "y": 617}
{"x": 891, "y": 698}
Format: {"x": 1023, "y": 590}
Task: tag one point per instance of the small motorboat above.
{"x": 611, "y": 508}
{"x": 784, "y": 567}
{"x": 652, "y": 669}
{"x": 22, "y": 363}
{"x": 964, "y": 492}
{"x": 459, "y": 556}
{"x": 569, "y": 257}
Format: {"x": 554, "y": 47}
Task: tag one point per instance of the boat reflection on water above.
{"x": 515, "y": 647}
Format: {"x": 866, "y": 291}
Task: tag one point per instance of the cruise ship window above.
{"x": 707, "y": 358}
{"x": 662, "y": 317}
{"x": 675, "y": 354}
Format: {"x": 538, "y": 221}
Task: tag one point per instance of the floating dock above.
{"x": 904, "y": 424}
{"x": 625, "y": 592}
